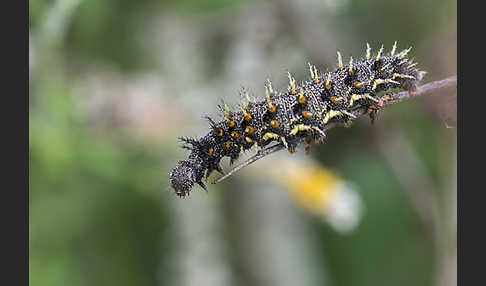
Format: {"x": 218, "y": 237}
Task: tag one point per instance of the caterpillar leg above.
{"x": 413, "y": 89}
{"x": 308, "y": 143}
{"x": 374, "y": 109}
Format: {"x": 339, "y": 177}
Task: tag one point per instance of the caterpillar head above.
{"x": 185, "y": 174}
{"x": 183, "y": 177}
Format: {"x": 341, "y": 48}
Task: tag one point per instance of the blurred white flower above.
{"x": 346, "y": 208}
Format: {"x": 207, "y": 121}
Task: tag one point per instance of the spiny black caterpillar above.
{"x": 299, "y": 114}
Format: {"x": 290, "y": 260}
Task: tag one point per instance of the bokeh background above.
{"x": 113, "y": 83}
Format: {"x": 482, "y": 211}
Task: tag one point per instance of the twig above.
{"x": 421, "y": 90}
{"x": 385, "y": 100}
{"x": 260, "y": 154}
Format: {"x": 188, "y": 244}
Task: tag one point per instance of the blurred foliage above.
{"x": 101, "y": 212}
{"x": 94, "y": 216}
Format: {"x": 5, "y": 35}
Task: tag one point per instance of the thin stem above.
{"x": 385, "y": 100}
{"x": 425, "y": 89}
{"x": 260, "y": 154}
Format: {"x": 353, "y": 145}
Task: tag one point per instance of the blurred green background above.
{"x": 114, "y": 83}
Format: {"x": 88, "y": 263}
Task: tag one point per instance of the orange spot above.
{"x": 234, "y": 134}
{"x": 328, "y": 85}
{"x": 335, "y": 99}
{"x": 249, "y": 129}
{"x": 274, "y": 123}
{"x": 293, "y": 91}
{"x": 248, "y": 117}
{"x": 357, "y": 84}
{"x": 302, "y": 98}
{"x": 227, "y": 144}
{"x": 210, "y": 152}
{"x": 307, "y": 114}
{"x": 231, "y": 123}
{"x": 220, "y": 132}
{"x": 272, "y": 109}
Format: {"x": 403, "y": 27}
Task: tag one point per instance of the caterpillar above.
{"x": 298, "y": 114}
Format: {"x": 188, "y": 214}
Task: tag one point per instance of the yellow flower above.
{"x": 311, "y": 187}
{"x": 319, "y": 191}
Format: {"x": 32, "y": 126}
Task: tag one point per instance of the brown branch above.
{"x": 425, "y": 89}
{"x": 260, "y": 154}
{"x": 385, "y": 100}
